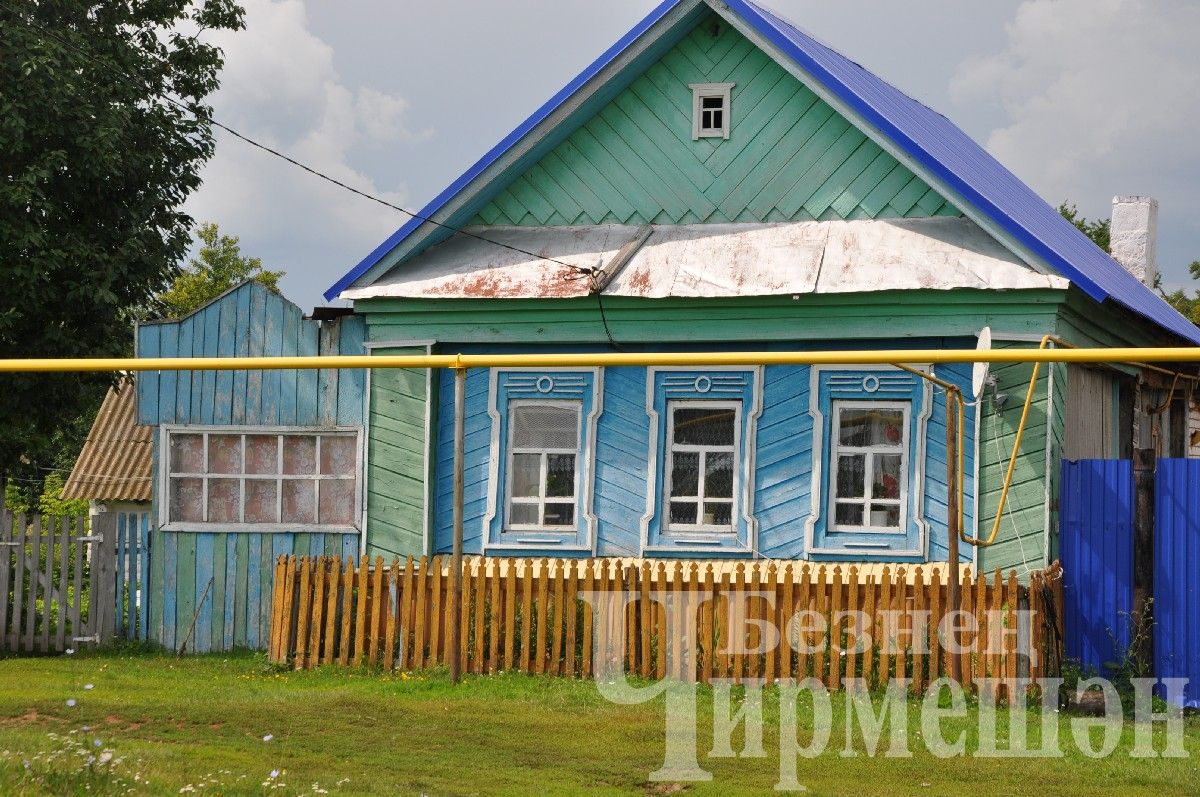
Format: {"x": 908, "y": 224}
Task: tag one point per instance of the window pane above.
{"x": 224, "y": 500}
{"x": 560, "y": 475}
{"x": 336, "y": 505}
{"x": 717, "y": 120}
{"x": 299, "y": 501}
{"x": 712, "y": 102}
{"x": 526, "y": 475}
{"x": 718, "y": 475}
{"x": 262, "y": 453}
{"x": 849, "y": 515}
{"x": 851, "y": 471}
{"x": 545, "y": 426}
{"x": 299, "y": 455}
{"x": 523, "y": 514}
{"x": 224, "y": 453}
{"x": 871, "y": 427}
{"x": 887, "y": 476}
{"x": 704, "y": 426}
{"x": 186, "y": 500}
{"x": 718, "y": 513}
{"x": 884, "y": 516}
{"x": 338, "y": 455}
{"x": 685, "y": 473}
{"x": 187, "y": 453}
{"x": 261, "y": 497}
{"x": 683, "y": 512}
{"x": 560, "y": 514}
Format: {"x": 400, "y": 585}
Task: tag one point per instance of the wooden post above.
{"x": 952, "y": 530}
{"x": 460, "y": 402}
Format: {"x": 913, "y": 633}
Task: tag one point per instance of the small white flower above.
{"x": 89, "y": 686}
{"x": 91, "y": 760}
{"x": 268, "y": 737}
{"x": 274, "y": 774}
{"x": 70, "y": 702}
{"x": 105, "y": 757}
{"x": 85, "y": 728}
{"x": 97, "y": 743}
{"x": 70, "y": 651}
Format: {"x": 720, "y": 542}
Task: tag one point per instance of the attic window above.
{"x": 710, "y": 110}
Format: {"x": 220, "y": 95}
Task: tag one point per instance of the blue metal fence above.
{"x": 1177, "y": 573}
{"x": 1096, "y": 550}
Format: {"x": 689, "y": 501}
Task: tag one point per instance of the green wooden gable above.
{"x": 789, "y": 155}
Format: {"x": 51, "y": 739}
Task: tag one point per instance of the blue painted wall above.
{"x": 251, "y": 321}
{"x": 224, "y": 578}
{"x": 782, "y": 500}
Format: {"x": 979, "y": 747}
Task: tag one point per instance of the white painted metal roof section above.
{"x": 715, "y": 261}
{"x": 912, "y": 254}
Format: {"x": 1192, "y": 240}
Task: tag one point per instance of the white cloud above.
{"x": 279, "y": 86}
{"x": 1100, "y": 97}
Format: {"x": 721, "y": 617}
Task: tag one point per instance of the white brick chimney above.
{"x": 1134, "y": 235}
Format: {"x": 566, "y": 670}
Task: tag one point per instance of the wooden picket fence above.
{"x": 531, "y": 616}
{"x": 63, "y": 585}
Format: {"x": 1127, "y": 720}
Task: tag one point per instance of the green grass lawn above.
{"x": 197, "y": 725}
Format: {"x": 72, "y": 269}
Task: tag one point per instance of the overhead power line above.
{"x": 120, "y": 72}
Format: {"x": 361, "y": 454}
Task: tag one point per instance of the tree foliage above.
{"x": 1186, "y": 302}
{"x": 217, "y": 266}
{"x": 95, "y": 164}
{"x": 1097, "y": 230}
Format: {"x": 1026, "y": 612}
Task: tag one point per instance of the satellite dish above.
{"x": 979, "y": 373}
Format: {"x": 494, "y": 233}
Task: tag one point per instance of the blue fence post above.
{"x": 1096, "y": 550}
{"x": 1176, "y": 605}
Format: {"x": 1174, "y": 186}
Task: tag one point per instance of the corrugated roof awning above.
{"x": 713, "y": 261}
{"x": 114, "y": 464}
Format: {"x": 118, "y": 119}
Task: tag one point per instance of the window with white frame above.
{"x": 869, "y": 455}
{"x": 543, "y": 464}
{"x": 710, "y": 110}
{"x": 701, "y": 465}
{"x": 258, "y": 478}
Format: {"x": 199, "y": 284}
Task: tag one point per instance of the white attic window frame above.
{"x": 709, "y": 91}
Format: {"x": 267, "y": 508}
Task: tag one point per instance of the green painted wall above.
{"x": 1021, "y": 540}
{"x": 396, "y": 458}
{"x": 789, "y": 155}
{"x": 893, "y": 314}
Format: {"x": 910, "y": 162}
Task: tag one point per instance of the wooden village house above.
{"x": 718, "y": 180}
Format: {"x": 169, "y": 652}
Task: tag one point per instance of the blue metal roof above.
{"x": 926, "y": 136}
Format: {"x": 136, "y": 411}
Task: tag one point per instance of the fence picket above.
{"x": 435, "y": 610}
{"x": 7, "y": 544}
{"x": 572, "y": 617}
{"x": 420, "y": 619}
{"x": 405, "y": 615}
{"x": 526, "y": 637}
{"x": 64, "y": 544}
{"x": 586, "y": 647}
{"x": 510, "y": 613}
{"x": 559, "y": 608}
{"x": 346, "y": 576}
{"x": 32, "y": 569}
{"x": 900, "y": 612}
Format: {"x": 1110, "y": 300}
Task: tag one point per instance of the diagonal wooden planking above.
{"x": 789, "y": 156}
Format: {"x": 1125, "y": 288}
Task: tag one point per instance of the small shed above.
{"x": 113, "y": 470}
{"x": 247, "y": 464}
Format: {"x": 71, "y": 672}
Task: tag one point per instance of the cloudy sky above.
{"x": 1083, "y": 99}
